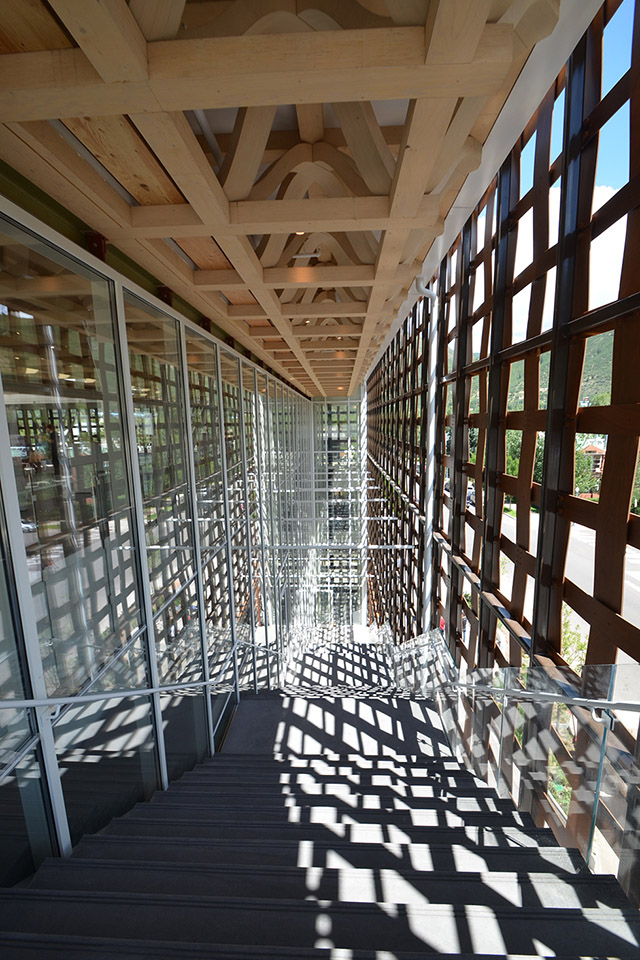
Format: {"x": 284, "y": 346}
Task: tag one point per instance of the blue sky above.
{"x": 613, "y": 150}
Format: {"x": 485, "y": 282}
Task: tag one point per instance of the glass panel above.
{"x": 177, "y": 634}
{"x": 160, "y": 436}
{"x": 236, "y": 494}
{"x": 218, "y": 616}
{"x": 25, "y": 837}
{"x": 106, "y": 749}
{"x": 15, "y": 728}
{"x": 250, "y": 427}
{"x": 206, "y": 432}
{"x": 58, "y": 363}
{"x": 185, "y": 731}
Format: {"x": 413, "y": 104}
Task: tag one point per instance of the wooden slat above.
{"x": 252, "y": 71}
{"x": 158, "y": 19}
{"x": 244, "y": 157}
{"x": 108, "y": 35}
{"x": 119, "y": 148}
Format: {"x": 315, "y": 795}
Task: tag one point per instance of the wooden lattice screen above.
{"x": 397, "y": 406}
{"x": 537, "y": 396}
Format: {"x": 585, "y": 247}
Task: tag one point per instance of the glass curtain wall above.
{"x": 150, "y": 535}
{"x": 340, "y": 496}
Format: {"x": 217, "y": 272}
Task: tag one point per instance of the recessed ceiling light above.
{"x": 299, "y": 233}
{"x": 307, "y": 321}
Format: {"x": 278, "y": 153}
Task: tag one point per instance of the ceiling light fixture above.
{"x": 299, "y": 233}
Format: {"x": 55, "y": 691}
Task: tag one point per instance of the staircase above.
{"x": 333, "y": 824}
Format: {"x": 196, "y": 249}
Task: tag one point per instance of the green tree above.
{"x": 513, "y": 448}
{"x": 602, "y": 399}
{"x": 539, "y": 459}
{"x": 574, "y": 641}
{"x": 584, "y": 478}
{"x": 635, "y": 496}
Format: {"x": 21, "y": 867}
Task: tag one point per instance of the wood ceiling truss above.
{"x": 283, "y": 166}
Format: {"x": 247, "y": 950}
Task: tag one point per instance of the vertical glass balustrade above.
{"x": 164, "y": 503}
{"x": 160, "y": 432}
{"x": 74, "y": 548}
{"x": 64, "y": 412}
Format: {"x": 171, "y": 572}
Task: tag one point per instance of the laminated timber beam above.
{"x": 218, "y": 214}
{"x": 339, "y": 214}
{"x": 349, "y": 65}
{"x": 175, "y": 144}
{"x": 51, "y": 163}
{"x": 324, "y": 309}
{"x": 308, "y": 333}
{"x": 308, "y": 277}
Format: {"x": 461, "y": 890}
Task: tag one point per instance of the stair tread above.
{"x": 489, "y": 888}
{"x": 260, "y": 850}
{"x": 352, "y": 856}
{"x": 16, "y": 945}
{"x": 180, "y": 901}
{"x": 473, "y": 832}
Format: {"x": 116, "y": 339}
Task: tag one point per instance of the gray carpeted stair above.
{"x": 391, "y": 850}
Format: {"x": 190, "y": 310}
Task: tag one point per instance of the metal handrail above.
{"x": 109, "y": 694}
{"x": 518, "y": 693}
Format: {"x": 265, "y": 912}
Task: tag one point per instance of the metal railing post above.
{"x": 227, "y": 528}
{"x": 140, "y": 533}
{"x": 195, "y": 523}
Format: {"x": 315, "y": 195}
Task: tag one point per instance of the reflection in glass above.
{"x": 106, "y": 749}
{"x": 15, "y": 728}
{"x": 58, "y": 364}
{"x": 207, "y": 439}
{"x": 185, "y": 731}
{"x": 25, "y": 838}
{"x": 160, "y": 437}
{"x": 235, "y": 491}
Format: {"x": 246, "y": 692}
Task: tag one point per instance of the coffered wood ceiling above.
{"x": 282, "y": 165}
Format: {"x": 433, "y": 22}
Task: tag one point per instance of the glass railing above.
{"x": 564, "y": 748}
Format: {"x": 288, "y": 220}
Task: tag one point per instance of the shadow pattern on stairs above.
{"x": 334, "y": 827}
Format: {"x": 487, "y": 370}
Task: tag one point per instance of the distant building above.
{"x": 596, "y": 454}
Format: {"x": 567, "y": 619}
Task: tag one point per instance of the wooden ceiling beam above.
{"x": 242, "y": 161}
{"x": 326, "y": 308}
{"x": 158, "y": 19}
{"x": 108, "y": 35}
{"x": 313, "y": 215}
{"x": 174, "y": 143}
{"x": 51, "y": 163}
{"x": 367, "y": 145}
{"x": 279, "y": 141}
{"x": 308, "y": 332}
{"x": 250, "y": 70}
{"x": 328, "y": 277}
{"x": 453, "y": 28}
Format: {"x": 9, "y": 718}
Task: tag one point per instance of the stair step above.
{"x": 386, "y": 778}
{"x": 433, "y": 814}
{"x": 332, "y": 853}
{"x": 492, "y": 835}
{"x": 528, "y": 890}
{"x": 32, "y": 946}
{"x": 430, "y": 927}
{"x": 334, "y": 764}
{"x": 315, "y": 790}
{"x": 312, "y": 794}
